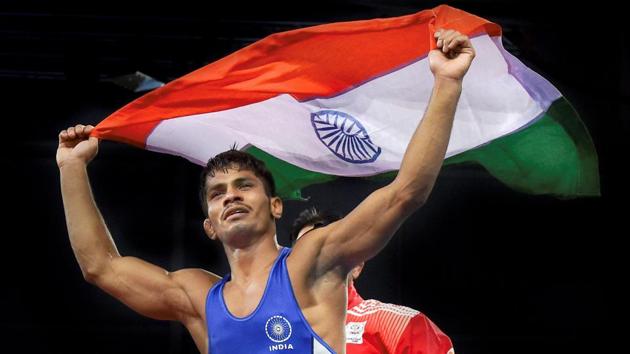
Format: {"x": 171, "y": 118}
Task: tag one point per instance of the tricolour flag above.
{"x": 344, "y": 99}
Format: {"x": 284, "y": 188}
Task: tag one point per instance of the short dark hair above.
{"x": 235, "y": 159}
{"x": 313, "y": 217}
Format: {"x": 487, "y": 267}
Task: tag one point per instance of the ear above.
{"x": 207, "y": 227}
{"x": 356, "y": 271}
{"x": 276, "y": 207}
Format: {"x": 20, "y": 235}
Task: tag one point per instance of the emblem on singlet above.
{"x": 278, "y": 329}
{"x": 354, "y": 332}
{"x": 344, "y": 136}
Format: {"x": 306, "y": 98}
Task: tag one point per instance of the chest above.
{"x": 243, "y": 299}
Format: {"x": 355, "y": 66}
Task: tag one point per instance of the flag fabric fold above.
{"x": 343, "y": 99}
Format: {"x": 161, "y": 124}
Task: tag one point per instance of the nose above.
{"x": 231, "y": 195}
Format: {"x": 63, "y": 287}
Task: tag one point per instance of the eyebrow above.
{"x": 236, "y": 181}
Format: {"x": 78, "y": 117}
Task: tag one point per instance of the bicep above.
{"x": 366, "y": 230}
{"x": 149, "y": 289}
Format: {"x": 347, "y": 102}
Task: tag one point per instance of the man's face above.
{"x": 238, "y": 207}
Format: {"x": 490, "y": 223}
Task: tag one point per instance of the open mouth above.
{"x": 235, "y": 211}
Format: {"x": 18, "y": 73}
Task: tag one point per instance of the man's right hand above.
{"x": 75, "y": 144}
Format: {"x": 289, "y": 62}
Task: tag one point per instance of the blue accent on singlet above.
{"x": 275, "y": 326}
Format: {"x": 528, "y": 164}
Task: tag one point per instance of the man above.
{"x": 274, "y": 298}
{"x": 372, "y": 326}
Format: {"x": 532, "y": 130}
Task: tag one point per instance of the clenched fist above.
{"x": 75, "y": 144}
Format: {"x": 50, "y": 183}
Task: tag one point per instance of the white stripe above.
{"x": 492, "y": 104}
{"x": 318, "y": 348}
{"x": 371, "y": 306}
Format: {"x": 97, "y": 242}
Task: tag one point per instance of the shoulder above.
{"x": 196, "y": 283}
{"x": 422, "y": 335}
{"x": 386, "y": 321}
{"x": 371, "y": 306}
{"x": 194, "y": 277}
{"x": 317, "y": 247}
{"x": 306, "y": 252}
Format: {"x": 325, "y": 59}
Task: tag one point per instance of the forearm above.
{"x": 425, "y": 153}
{"x": 367, "y": 229}
{"x": 91, "y": 242}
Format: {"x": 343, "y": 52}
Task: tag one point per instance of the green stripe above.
{"x": 555, "y": 155}
{"x": 289, "y": 178}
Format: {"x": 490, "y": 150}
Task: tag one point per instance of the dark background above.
{"x": 498, "y": 271}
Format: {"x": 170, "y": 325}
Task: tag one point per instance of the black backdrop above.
{"x": 497, "y": 270}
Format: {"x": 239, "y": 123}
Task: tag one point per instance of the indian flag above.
{"x": 343, "y": 99}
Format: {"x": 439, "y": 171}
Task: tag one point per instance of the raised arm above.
{"x": 144, "y": 287}
{"x": 367, "y": 229}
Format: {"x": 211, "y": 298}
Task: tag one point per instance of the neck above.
{"x": 253, "y": 259}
